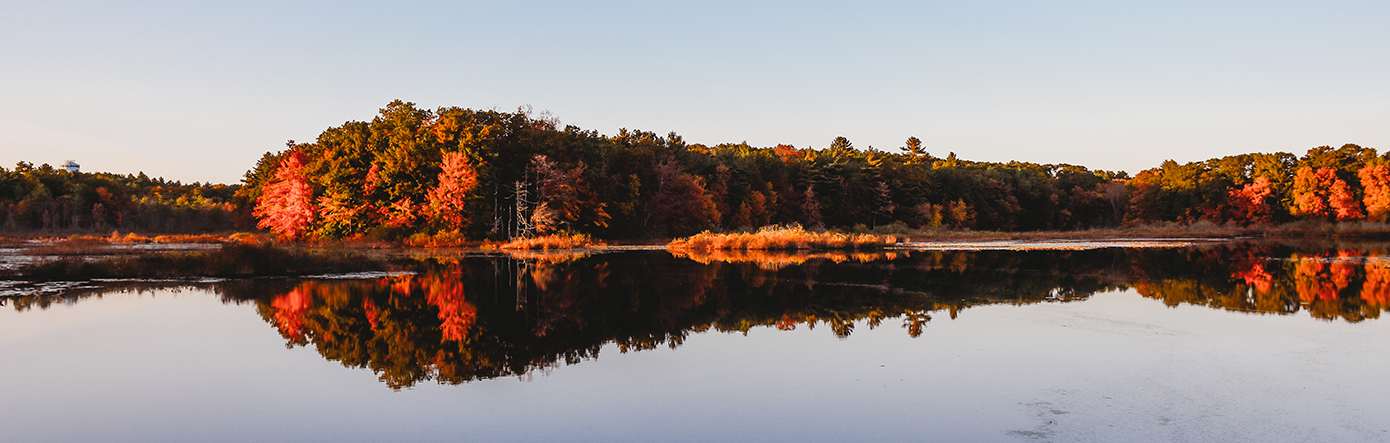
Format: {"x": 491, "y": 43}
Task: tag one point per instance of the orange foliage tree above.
{"x": 1311, "y": 189}
{"x": 400, "y": 214}
{"x": 1343, "y": 202}
{"x": 286, "y": 206}
{"x": 1249, "y": 202}
{"x": 1375, "y": 183}
{"x": 446, "y": 200}
{"x": 1320, "y": 193}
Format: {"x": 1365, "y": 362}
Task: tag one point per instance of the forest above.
{"x": 487, "y": 174}
{"x": 45, "y": 199}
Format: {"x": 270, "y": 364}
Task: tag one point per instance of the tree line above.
{"x": 48, "y": 199}
{"x": 495, "y": 174}
{"x": 1350, "y": 183}
{"x": 412, "y": 171}
{"x": 475, "y": 174}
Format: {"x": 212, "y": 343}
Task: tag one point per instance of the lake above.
{"x": 1072, "y": 341}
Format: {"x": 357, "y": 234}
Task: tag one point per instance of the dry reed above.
{"x": 781, "y": 238}
{"x": 556, "y": 241}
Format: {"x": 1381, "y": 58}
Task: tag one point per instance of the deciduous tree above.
{"x": 286, "y": 205}
{"x": 1250, "y": 202}
{"x": 446, "y": 200}
{"x": 1375, "y": 184}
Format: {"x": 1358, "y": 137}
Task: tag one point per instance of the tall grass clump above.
{"x": 781, "y": 238}
{"x": 553, "y": 241}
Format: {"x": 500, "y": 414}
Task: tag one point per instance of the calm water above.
{"x": 1227, "y": 342}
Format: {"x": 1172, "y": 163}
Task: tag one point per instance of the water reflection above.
{"x": 468, "y": 318}
{"x": 477, "y": 318}
{"x": 779, "y": 259}
{"x": 1331, "y": 283}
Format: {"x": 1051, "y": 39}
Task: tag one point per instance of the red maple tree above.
{"x": 286, "y": 205}
{"x": 1375, "y": 183}
{"x": 1343, "y": 202}
{"x": 455, "y": 180}
{"x": 1320, "y": 193}
{"x": 1249, "y": 202}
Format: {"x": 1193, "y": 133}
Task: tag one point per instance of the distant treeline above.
{"x": 48, "y": 199}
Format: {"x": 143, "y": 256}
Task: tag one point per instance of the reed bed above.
{"x": 556, "y": 241}
{"x": 443, "y": 239}
{"x": 781, "y": 238}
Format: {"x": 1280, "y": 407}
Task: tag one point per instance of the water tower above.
{"x": 71, "y": 166}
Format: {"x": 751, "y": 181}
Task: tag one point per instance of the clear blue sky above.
{"x": 197, "y": 91}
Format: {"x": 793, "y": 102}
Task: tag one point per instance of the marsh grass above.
{"x": 554, "y": 241}
{"x": 443, "y": 239}
{"x": 780, "y": 238}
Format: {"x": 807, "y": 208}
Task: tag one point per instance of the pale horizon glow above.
{"x": 197, "y": 92}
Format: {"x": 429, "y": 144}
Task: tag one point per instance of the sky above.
{"x": 197, "y": 91}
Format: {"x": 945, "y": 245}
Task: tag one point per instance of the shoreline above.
{"x": 45, "y": 257}
{"x": 1157, "y": 230}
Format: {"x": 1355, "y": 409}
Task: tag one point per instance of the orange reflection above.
{"x": 456, "y": 316}
{"x": 1312, "y": 283}
{"x": 290, "y": 309}
{"x": 1376, "y": 290}
{"x": 1256, "y": 277}
{"x": 370, "y": 309}
{"x": 548, "y": 255}
{"x": 772, "y": 260}
{"x": 787, "y": 323}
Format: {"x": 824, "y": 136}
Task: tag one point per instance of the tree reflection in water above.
{"x": 481, "y": 317}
